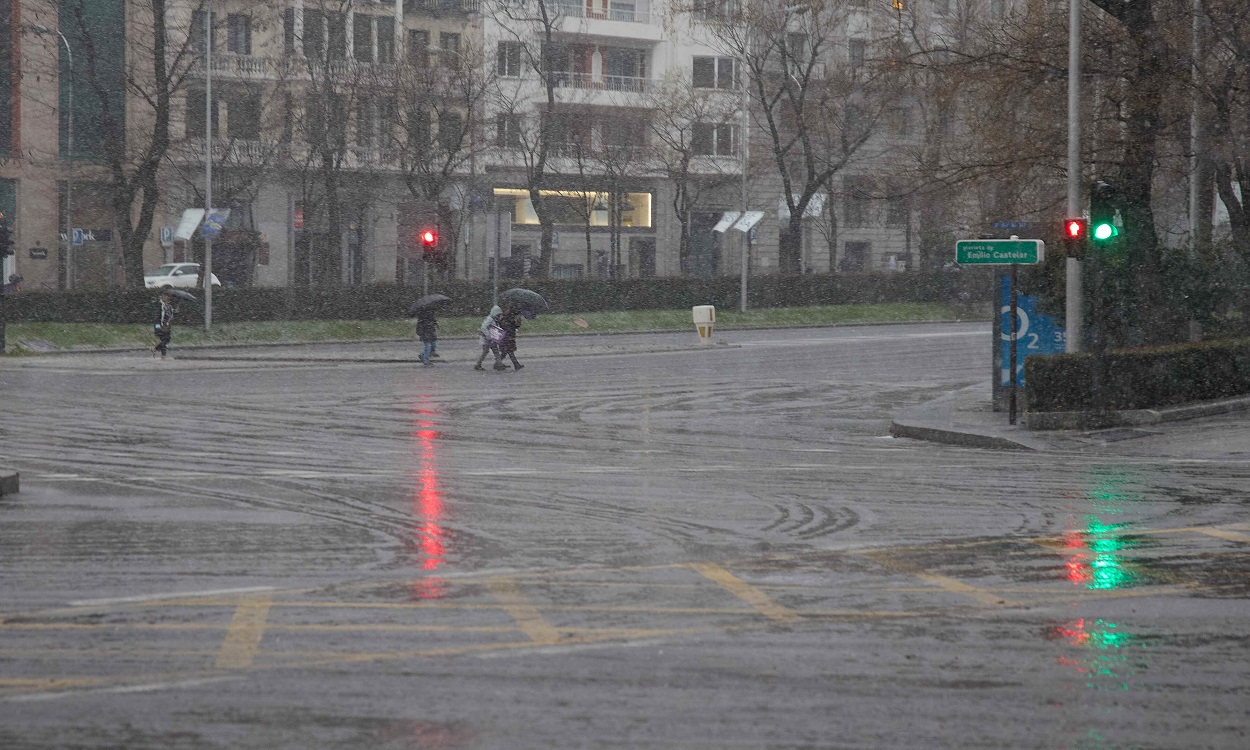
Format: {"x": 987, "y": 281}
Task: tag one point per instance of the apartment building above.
{"x": 341, "y": 127}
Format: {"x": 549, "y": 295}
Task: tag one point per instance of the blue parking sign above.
{"x": 1036, "y": 333}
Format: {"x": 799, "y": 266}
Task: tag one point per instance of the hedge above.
{"x": 391, "y": 301}
{"x": 1138, "y": 378}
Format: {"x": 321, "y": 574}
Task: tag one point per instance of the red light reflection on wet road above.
{"x": 427, "y": 504}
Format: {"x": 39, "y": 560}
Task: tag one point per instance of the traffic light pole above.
{"x": 1074, "y": 308}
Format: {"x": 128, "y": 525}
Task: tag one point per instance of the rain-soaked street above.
{"x": 665, "y": 547}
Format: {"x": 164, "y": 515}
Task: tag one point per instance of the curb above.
{"x": 1086, "y": 420}
{"x": 952, "y": 436}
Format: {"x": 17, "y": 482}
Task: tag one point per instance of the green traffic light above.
{"x": 1105, "y": 231}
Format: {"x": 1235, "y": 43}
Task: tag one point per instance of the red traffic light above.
{"x": 1075, "y": 229}
{"x": 429, "y": 237}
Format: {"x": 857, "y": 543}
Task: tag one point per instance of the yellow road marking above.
{"x": 1231, "y": 536}
{"x": 987, "y": 598}
{"x": 745, "y": 591}
{"x": 238, "y": 650}
{"x": 527, "y": 616}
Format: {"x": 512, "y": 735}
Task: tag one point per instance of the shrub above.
{"x": 391, "y": 301}
{"x": 1138, "y": 378}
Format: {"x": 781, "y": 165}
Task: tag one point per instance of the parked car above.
{"x": 179, "y": 275}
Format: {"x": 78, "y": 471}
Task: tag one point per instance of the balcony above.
{"x": 231, "y": 66}
{"x": 441, "y": 6}
{"x": 623, "y": 14}
{"x": 592, "y": 82}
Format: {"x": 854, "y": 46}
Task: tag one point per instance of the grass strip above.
{"x": 31, "y": 338}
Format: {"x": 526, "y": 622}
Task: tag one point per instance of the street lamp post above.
{"x": 745, "y": 140}
{"x": 208, "y": 164}
{"x": 69, "y": 155}
{"x": 1073, "y": 294}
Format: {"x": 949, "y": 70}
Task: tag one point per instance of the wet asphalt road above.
{"x": 717, "y": 548}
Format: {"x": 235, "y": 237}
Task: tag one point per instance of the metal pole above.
{"x": 1073, "y": 309}
{"x": 208, "y": 163}
{"x": 1011, "y": 367}
{"x": 745, "y": 261}
{"x": 494, "y": 295}
{"x": 1195, "y": 130}
{"x": 69, "y": 155}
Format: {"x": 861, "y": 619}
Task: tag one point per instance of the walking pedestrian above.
{"x": 509, "y": 321}
{"x": 488, "y": 335}
{"x": 427, "y": 331}
{"x": 163, "y": 329}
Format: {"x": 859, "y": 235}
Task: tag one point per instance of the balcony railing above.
{"x": 628, "y": 15}
{"x": 443, "y": 6}
{"x": 228, "y": 65}
{"x": 591, "y": 82}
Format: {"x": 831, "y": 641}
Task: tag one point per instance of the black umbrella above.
{"x": 182, "y": 295}
{"x": 429, "y": 300}
{"x": 524, "y": 299}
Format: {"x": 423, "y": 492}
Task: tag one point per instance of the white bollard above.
{"x": 704, "y": 320}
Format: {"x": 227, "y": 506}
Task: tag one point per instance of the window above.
{"x": 450, "y": 46}
{"x": 195, "y": 115}
{"x": 314, "y": 33}
{"x": 858, "y": 190}
{"x": 508, "y": 59}
{"x": 508, "y": 130}
{"x": 386, "y": 39}
{"x": 362, "y": 37}
{"x": 243, "y": 112}
{"x": 366, "y": 123}
{"x": 288, "y": 121}
{"x": 196, "y": 31}
{"x": 336, "y": 26}
{"x": 714, "y": 73}
{"x": 942, "y": 7}
{"x": 450, "y": 126}
{"x": 419, "y": 47}
{"x": 997, "y": 8}
{"x": 418, "y": 129}
{"x": 796, "y": 46}
{"x": 619, "y": 10}
{"x": 708, "y": 139}
{"x": 856, "y": 49}
{"x": 899, "y": 122}
{"x": 855, "y": 256}
{"x": 859, "y": 4}
{"x": 288, "y": 31}
{"x": 239, "y": 34}
{"x": 714, "y": 10}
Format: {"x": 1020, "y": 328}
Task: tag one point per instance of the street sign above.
{"x": 1011, "y": 224}
{"x": 167, "y": 236}
{"x": 191, "y": 219}
{"x": 749, "y": 219}
{"x": 992, "y": 252}
{"x": 79, "y": 237}
{"x": 214, "y": 222}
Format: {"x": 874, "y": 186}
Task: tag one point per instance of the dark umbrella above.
{"x": 180, "y": 294}
{"x": 524, "y": 299}
{"x": 429, "y": 300}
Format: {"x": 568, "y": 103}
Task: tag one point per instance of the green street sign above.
{"x": 1000, "y": 252}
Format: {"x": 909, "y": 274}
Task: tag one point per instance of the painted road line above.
{"x": 527, "y": 616}
{"x": 158, "y": 597}
{"x": 1231, "y": 536}
{"x": 148, "y": 687}
{"x": 745, "y": 591}
{"x": 242, "y": 641}
{"x": 987, "y": 598}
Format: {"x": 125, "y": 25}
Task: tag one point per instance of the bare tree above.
{"x": 129, "y": 70}
{"x": 815, "y": 105}
{"x": 697, "y": 142}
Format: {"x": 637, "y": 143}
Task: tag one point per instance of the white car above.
{"x": 178, "y": 275}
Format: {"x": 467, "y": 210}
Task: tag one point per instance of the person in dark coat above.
{"x": 427, "y": 331}
{"x": 163, "y": 329}
{"x": 509, "y": 321}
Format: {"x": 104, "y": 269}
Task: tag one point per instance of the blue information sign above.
{"x": 1037, "y": 333}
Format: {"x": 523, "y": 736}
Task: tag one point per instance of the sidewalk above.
{"x": 965, "y": 417}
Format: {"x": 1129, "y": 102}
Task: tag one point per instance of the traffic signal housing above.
{"x": 429, "y": 241}
{"x": 1103, "y": 204}
{"x": 1075, "y": 234}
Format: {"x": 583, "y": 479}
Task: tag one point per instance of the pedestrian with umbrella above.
{"x": 164, "y": 326}
{"x": 489, "y": 334}
{"x": 427, "y": 324}
{"x": 517, "y": 302}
